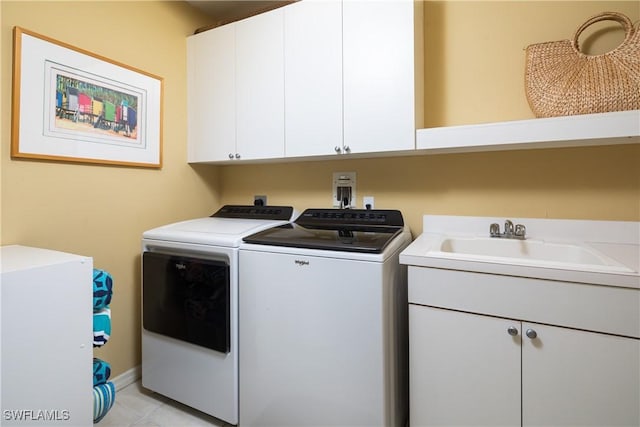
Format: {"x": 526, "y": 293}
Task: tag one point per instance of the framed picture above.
{"x": 76, "y": 106}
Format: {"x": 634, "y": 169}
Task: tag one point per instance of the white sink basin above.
{"x": 526, "y": 252}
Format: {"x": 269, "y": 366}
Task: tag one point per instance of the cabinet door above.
{"x": 313, "y": 77}
{"x": 572, "y": 378}
{"x": 260, "y": 86}
{"x": 379, "y": 103}
{"x": 464, "y": 369}
{"x": 211, "y": 108}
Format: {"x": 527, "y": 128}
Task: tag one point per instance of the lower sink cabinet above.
{"x": 469, "y": 369}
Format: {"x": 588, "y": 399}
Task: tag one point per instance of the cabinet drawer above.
{"x": 598, "y": 308}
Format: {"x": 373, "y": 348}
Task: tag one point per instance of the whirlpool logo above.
{"x": 301, "y": 262}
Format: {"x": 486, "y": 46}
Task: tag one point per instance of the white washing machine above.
{"x": 190, "y": 306}
{"x": 323, "y": 321}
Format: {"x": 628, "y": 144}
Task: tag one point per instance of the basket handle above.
{"x": 606, "y": 16}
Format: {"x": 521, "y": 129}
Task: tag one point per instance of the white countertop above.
{"x": 617, "y": 240}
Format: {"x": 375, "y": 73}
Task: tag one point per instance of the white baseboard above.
{"x": 128, "y": 377}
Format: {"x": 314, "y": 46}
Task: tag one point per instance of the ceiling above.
{"x": 224, "y": 11}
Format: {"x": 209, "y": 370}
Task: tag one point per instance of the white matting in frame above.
{"x": 73, "y": 105}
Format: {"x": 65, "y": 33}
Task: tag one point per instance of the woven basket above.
{"x": 560, "y": 80}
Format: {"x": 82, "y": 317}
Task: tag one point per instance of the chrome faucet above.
{"x": 510, "y": 232}
{"x": 508, "y": 228}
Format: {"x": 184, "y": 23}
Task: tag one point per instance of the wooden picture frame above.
{"x": 73, "y": 105}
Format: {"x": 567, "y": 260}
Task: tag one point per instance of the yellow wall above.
{"x": 474, "y": 52}
{"x": 101, "y": 211}
{"x": 474, "y": 73}
{"x": 474, "y": 60}
{"x": 582, "y": 183}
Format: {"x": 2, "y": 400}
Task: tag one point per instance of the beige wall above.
{"x": 474, "y": 61}
{"x": 583, "y": 183}
{"x": 474, "y": 52}
{"x": 101, "y": 211}
{"x": 474, "y": 73}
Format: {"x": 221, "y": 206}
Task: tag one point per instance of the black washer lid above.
{"x": 348, "y": 230}
{"x": 276, "y": 213}
{"x": 341, "y": 218}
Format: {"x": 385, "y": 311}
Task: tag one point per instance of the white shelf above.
{"x": 621, "y": 127}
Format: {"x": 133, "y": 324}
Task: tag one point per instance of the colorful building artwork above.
{"x": 101, "y": 109}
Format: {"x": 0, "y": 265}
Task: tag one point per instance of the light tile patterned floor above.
{"x": 137, "y": 406}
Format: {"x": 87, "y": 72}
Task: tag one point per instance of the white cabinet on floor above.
{"x": 46, "y": 331}
{"x": 471, "y": 368}
{"x": 475, "y": 370}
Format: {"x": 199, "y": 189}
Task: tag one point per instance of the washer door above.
{"x": 187, "y": 299}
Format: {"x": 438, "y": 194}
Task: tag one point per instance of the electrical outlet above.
{"x": 260, "y": 200}
{"x": 344, "y": 189}
{"x": 367, "y": 202}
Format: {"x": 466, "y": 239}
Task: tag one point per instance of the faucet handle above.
{"x": 508, "y": 227}
{"x": 494, "y": 230}
{"x": 521, "y": 230}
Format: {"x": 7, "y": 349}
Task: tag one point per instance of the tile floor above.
{"x": 137, "y": 406}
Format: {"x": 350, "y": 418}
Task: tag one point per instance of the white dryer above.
{"x": 190, "y": 306}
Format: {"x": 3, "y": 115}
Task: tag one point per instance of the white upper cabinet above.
{"x": 260, "y": 86}
{"x": 235, "y": 91}
{"x": 211, "y": 97}
{"x": 349, "y": 77}
{"x": 379, "y": 88}
{"x": 313, "y": 78}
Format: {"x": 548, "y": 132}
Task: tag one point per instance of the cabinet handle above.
{"x": 347, "y": 149}
{"x": 337, "y": 149}
{"x": 237, "y": 156}
{"x": 512, "y": 330}
{"x": 230, "y": 156}
{"x": 531, "y": 333}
